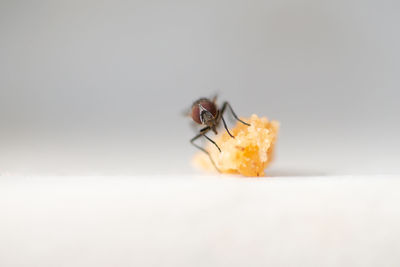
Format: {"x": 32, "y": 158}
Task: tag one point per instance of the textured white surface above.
{"x": 199, "y": 221}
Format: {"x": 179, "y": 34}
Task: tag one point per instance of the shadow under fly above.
{"x": 205, "y": 112}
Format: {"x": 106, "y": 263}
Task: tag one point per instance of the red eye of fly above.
{"x": 207, "y": 105}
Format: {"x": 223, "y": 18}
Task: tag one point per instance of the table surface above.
{"x": 199, "y": 220}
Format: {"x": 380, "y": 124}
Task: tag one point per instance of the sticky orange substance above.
{"x": 248, "y": 154}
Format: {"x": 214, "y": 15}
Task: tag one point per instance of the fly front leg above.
{"x": 226, "y": 104}
{"x": 202, "y": 133}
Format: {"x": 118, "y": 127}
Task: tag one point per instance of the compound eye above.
{"x": 200, "y": 106}
{"x": 196, "y": 114}
{"x": 209, "y": 106}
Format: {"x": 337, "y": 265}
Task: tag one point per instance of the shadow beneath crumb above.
{"x": 293, "y": 173}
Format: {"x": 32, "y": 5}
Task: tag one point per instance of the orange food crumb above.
{"x": 249, "y": 153}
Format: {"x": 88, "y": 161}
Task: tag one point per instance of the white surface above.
{"x": 199, "y": 221}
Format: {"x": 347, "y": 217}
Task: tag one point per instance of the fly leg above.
{"x": 203, "y": 133}
{"x": 226, "y": 104}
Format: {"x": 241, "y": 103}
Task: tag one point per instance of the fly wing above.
{"x": 187, "y": 112}
{"x": 214, "y": 98}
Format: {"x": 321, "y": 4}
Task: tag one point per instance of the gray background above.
{"x": 97, "y": 87}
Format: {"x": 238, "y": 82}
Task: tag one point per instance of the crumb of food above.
{"x": 249, "y": 153}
